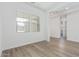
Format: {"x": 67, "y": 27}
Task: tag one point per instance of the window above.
{"x": 22, "y": 24}
{"x": 34, "y": 24}
{"x": 27, "y": 24}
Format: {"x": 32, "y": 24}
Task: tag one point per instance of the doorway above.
{"x": 63, "y": 27}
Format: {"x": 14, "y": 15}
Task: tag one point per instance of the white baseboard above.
{"x": 54, "y": 38}
{"x": 48, "y": 40}
{"x": 77, "y": 41}
{"x": 22, "y": 44}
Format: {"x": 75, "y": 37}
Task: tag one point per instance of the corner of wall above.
{"x": 0, "y": 52}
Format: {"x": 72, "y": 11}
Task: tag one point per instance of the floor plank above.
{"x": 54, "y": 48}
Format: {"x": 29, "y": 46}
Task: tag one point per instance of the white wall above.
{"x": 73, "y": 27}
{"x": 0, "y": 36}
{"x": 12, "y": 39}
{"x": 54, "y": 25}
{"x": 0, "y": 29}
{"x": 47, "y": 26}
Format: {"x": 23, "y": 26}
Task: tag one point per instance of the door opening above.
{"x": 63, "y": 27}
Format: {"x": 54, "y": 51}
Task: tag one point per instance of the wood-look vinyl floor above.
{"x": 54, "y": 48}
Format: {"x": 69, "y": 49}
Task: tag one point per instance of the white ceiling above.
{"x": 46, "y": 6}
{"x": 56, "y": 7}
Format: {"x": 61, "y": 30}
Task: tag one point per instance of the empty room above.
{"x": 39, "y": 29}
